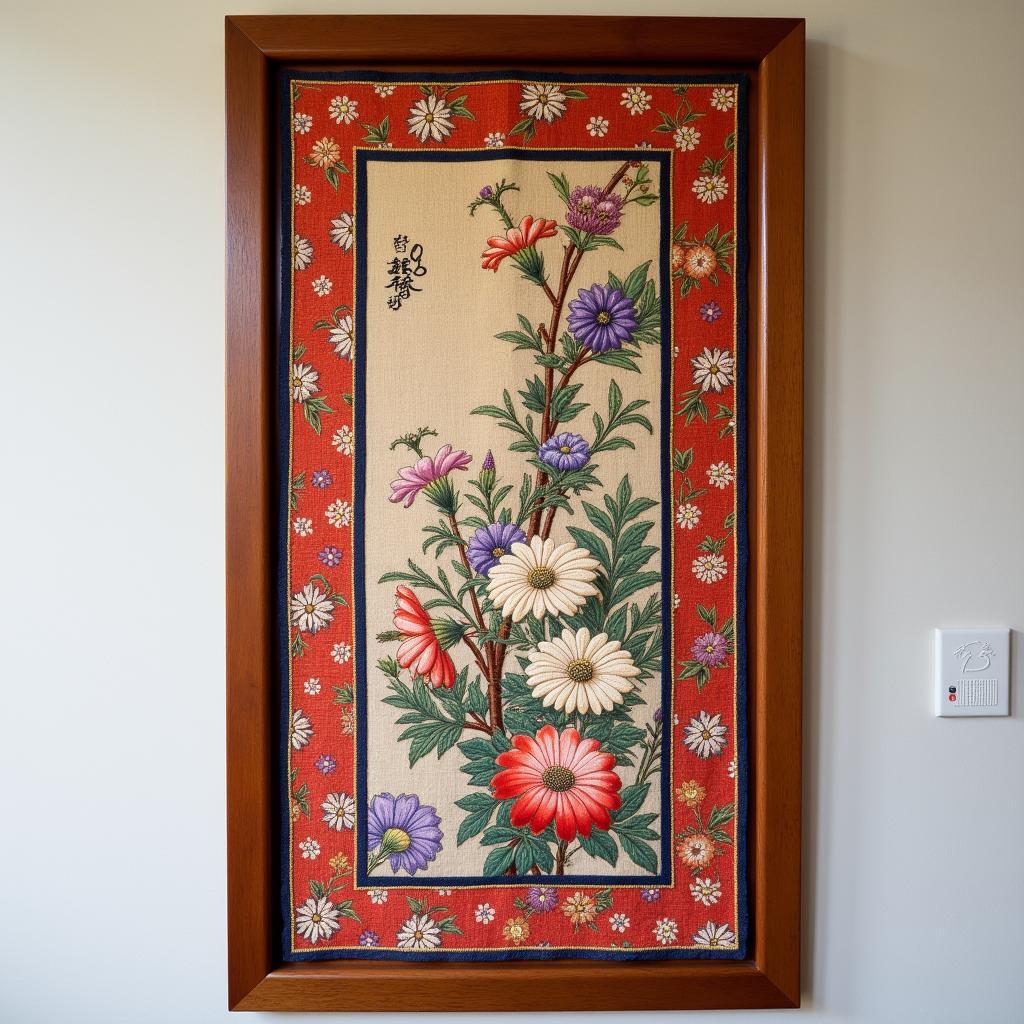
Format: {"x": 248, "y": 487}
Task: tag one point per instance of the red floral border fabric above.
{"x": 573, "y": 774}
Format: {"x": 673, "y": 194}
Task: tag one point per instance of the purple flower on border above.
{"x": 330, "y": 556}
{"x": 710, "y": 650}
{"x": 593, "y": 210}
{"x": 650, "y": 895}
{"x": 710, "y": 312}
{"x": 602, "y": 318}
{"x": 403, "y": 831}
{"x": 368, "y": 938}
{"x": 321, "y": 478}
{"x": 326, "y": 764}
{"x": 565, "y": 451}
{"x": 489, "y": 543}
{"x": 541, "y": 898}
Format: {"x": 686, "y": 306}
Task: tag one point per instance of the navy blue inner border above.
{"x": 285, "y": 79}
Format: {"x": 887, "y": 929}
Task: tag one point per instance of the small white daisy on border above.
{"x": 713, "y": 369}
{"x": 731, "y": 770}
{"x": 302, "y": 123}
{"x": 302, "y": 252}
{"x": 665, "y": 930}
{"x": 311, "y": 687}
{"x": 706, "y": 891}
{"x": 322, "y": 285}
{"x": 709, "y": 188}
{"x": 705, "y": 735}
{"x": 643, "y": 145}
{"x": 618, "y": 922}
{"x": 339, "y": 811}
{"x": 494, "y": 140}
{"x": 720, "y": 475}
{"x": 377, "y": 896}
{"x": 302, "y": 526}
{"x": 686, "y": 139}
{"x": 687, "y": 516}
{"x": 383, "y": 90}
{"x": 343, "y": 110}
{"x": 344, "y": 440}
{"x": 710, "y": 568}
{"x": 636, "y": 101}
{"x": 339, "y": 513}
{"x": 302, "y": 195}
{"x": 676, "y": 601}
{"x": 310, "y": 848}
{"x": 484, "y": 913}
{"x": 597, "y": 126}
{"x": 723, "y": 99}
{"x": 341, "y": 653}
{"x": 714, "y": 936}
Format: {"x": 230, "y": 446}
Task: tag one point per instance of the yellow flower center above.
{"x": 604, "y": 317}
{"x": 713, "y": 368}
{"x": 706, "y": 735}
{"x": 309, "y": 609}
{"x": 428, "y": 118}
{"x": 580, "y": 670}
{"x": 315, "y": 919}
{"x": 497, "y": 552}
{"x": 710, "y": 648}
{"x": 417, "y": 934}
{"x": 558, "y": 778}
{"x": 541, "y": 577}
{"x": 395, "y": 840}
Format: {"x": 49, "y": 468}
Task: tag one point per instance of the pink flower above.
{"x": 426, "y": 471}
{"x": 529, "y": 232}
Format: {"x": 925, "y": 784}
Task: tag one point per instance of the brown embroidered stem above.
{"x": 560, "y": 857}
{"x": 478, "y": 655}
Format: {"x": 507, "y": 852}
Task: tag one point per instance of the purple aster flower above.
{"x": 564, "y": 451}
{"x": 710, "y": 650}
{"x": 330, "y": 556}
{"x": 404, "y": 832}
{"x": 489, "y": 543}
{"x": 650, "y": 895}
{"x": 710, "y": 312}
{"x": 602, "y": 318}
{"x": 486, "y": 192}
{"x": 541, "y": 898}
{"x": 593, "y": 210}
{"x": 321, "y": 478}
{"x": 368, "y": 938}
{"x": 326, "y": 764}
{"x": 488, "y": 462}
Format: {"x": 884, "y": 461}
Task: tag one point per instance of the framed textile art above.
{"x": 513, "y": 490}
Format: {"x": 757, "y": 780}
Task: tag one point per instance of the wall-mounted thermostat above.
{"x": 972, "y": 672}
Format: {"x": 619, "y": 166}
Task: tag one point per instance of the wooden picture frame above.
{"x": 771, "y": 53}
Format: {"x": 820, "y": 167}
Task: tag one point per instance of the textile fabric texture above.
{"x": 512, "y": 534}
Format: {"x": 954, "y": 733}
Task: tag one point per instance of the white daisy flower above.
{"x": 344, "y": 440}
{"x": 302, "y": 526}
{"x": 713, "y": 369}
{"x": 377, "y": 896}
{"x": 636, "y": 101}
{"x": 542, "y": 579}
{"x": 302, "y": 252}
{"x": 494, "y": 140}
{"x": 444, "y": 892}
{"x": 484, "y": 913}
{"x": 709, "y": 188}
{"x": 705, "y": 891}
{"x": 342, "y": 110}
{"x": 722, "y": 99}
{"x": 687, "y": 516}
{"x": 618, "y": 922}
{"x": 339, "y": 811}
{"x": 310, "y": 848}
{"x": 304, "y": 380}
{"x": 430, "y": 118}
{"x": 343, "y": 231}
{"x": 714, "y": 936}
{"x": 597, "y": 126}
{"x": 339, "y": 514}
{"x": 676, "y": 601}
{"x": 543, "y": 102}
{"x": 341, "y": 653}
{"x": 311, "y": 687}
{"x": 383, "y": 90}
{"x": 705, "y": 735}
{"x": 311, "y": 609}
{"x": 665, "y": 930}
{"x": 302, "y": 123}
{"x": 302, "y": 195}
{"x": 732, "y": 768}
{"x": 300, "y": 731}
{"x": 686, "y": 138}
{"x": 316, "y": 919}
{"x": 322, "y": 285}
{"x": 720, "y": 475}
{"x": 419, "y": 932}
{"x": 710, "y": 568}
{"x": 576, "y": 673}
{"x": 342, "y": 336}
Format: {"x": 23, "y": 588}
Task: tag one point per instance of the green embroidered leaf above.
{"x": 499, "y": 861}
{"x": 481, "y": 807}
{"x": 639, "y": 853}
{"x": 561, "y": 184}
{"x": 600, "y": 844}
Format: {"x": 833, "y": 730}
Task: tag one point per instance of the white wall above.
{"x": 111, "y": 843}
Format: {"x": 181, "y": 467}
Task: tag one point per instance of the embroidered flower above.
{"x": 311, "y": 609}
{"x": 713, "y": 369}
{"x": 343, "y": 110}
{"x": 484, "y": 913}
{"x": 722, "y": 99}
{"x": 516, "y": 930}
{"x": 518, "y": 242}
{"x": 714, "y": 936}
{"x": 709, "y": 188}
{"x": 494, "y": 140}
{"x": 302, "y": 253}
{"x": 580, "y": 909}
{"x": 697, "y": 850}
{"x": 300, "y": 730}
{"x": 699, "y": 261}
{"x": 311, "y": 687}
{"x": 573, "y": 672}
{"x": 325, "y": 764}
{"x": 691, "y": 793}
{"x": 322, "y": 285}
{"x": 344, "y": 440}
{"x": 687, "y": 516}
{"x": 686, "y": 138}
{"x": 419, "y": 932}
{"x": 402, "y": 831}
{"x": 557, "y": 776}
{"x": 650, "y": 895}
{"x": 377, "y": 896}
{"x": 543, "y": 102}
{"x": 541, "y": 578}
{"x": 490, "y": 543}
{"x": 310, "y": 848}
{"x": 321, "y": 478}
{"x": 665, "y": 930}
{"x": 731, "y": 770}
{"x": 430, "y": 118}
{"x": 710, "y": 312}
{"x": 720, "y": 475}
{"x": 618, "y": 922}
{"x": 302, "y": 195}
{"x": 705, "y": 735}
{"x": 343, "y": 230}
{"x": 339, "y": 513}
{"x": 302, "y": 123}
{"x": 421, "y": 651}
{"x": 330, "y": 556}
{"x": 541, "y": 898}
{"x": 368, "y": 938}
{"x": 384, "y": 90}
{"x": 325, "y": 153}
{"x": 705, "y": 891}
{"x": 710, "y": 650}
{"x": 339, "y": 811}
{"x": 564, "y": 452}
{"x": 316, "y": 919}
{"x": 597, "y": 126}
{"x": 304, "y": 382}
{"x": 636, "y": 101}
{"x": 430, "y": 476}
{"x": 302, "y": 526}
{"x": 341, "y": 653}
{"x": 710, "y": 568}
{"x": 593, "y": 210}
{"x": 602, "y": 318}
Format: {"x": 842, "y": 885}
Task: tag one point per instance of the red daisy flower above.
{"x": 558, "y": 776}
{"x": 421, "y": 651}
{"x": 529, "y": 232}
